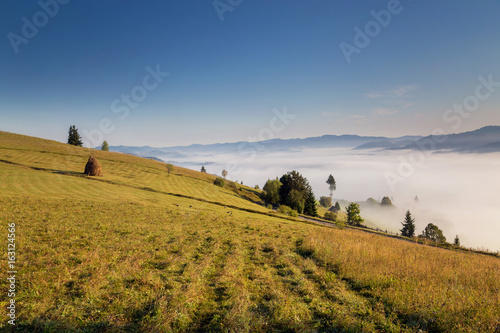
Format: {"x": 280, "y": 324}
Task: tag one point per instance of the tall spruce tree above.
{"x": 310, "y": 205}
{"x": 73, "y": 137}
{"x": 408, "y": 226}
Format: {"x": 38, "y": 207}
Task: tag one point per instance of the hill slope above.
{"x": 139, "y": 250}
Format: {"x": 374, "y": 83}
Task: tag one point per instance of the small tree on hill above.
{"x": 73, "y": 137}
{"x": 203, "y": 169}
{"x": 433, "y": 233}
{"x": 325, "y": 202}
{"x": 337, "y": 206}
{"x": 408, "y": 226}
{"x": 332, "y": 185}
{"x": 310, "y": 205}
{"x": 170, "y": 168}
{"x": 456, "y": 241}
{"x": 224, "y": 174}
{"x": 271, "y": 194}
{"x": 105, "y": 146}
{"x": 353, "y": 217}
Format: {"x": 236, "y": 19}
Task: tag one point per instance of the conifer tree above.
{"x": 73, "y": 137}
{"x": 105, "y": 146}
{"x": 310, "y": 205}
{"x": 408, "y": 226}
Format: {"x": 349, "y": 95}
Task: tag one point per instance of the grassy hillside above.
{"x": 138, "y": 250}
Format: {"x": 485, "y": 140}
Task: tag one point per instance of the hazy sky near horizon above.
{"x": 386, "y": 68}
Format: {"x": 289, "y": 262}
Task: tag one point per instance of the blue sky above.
{"x": 233, "y": 64}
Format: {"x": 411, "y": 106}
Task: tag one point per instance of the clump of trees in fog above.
{"x": 325, "y": 202}
{"x": 431, "y": 231}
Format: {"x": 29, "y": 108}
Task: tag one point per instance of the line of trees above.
{"x": 431, "y": 231}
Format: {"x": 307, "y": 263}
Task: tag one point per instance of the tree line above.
{"x": 431, "y": 231}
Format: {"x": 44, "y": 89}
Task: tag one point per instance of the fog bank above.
{"x": 457, "y": 192}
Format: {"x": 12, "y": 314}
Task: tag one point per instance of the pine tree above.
{"x": 105, "y": 146}
{"x": 310, "y": 205}
{"x": 337, "y": 206}
{"x": 73, "y": 137}
{"x": 408, "y": 226}
{"x": 456, "y": 241}
{"x": 203, "y": 169}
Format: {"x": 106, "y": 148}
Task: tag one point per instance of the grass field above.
{"x": 138, "y": 250}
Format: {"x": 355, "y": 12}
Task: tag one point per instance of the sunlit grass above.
{"x": 125, "y": 252}
{"x": 435, "y": 289}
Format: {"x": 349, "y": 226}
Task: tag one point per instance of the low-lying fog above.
{"x": 459, "y": 193}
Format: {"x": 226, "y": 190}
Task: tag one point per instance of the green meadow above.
{"x": 142, "y": 250}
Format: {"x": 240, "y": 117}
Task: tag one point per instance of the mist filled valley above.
{"x": 456, "y": 192}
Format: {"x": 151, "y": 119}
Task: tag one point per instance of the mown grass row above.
{"x": 123, "y": 169}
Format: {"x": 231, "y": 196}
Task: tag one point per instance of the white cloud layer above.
{"x": 459, "y": 193}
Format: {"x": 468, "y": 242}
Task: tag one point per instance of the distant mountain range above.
{"x": 484, "y": 140}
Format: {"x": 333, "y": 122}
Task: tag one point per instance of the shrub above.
{"x": 287, "y": 211}
{"x": 219, "y": 182}
{"x": 331, "y": 216}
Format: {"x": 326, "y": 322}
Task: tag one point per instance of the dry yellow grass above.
{"x": 128, "y": 254}
{"x": 436, "y": 288}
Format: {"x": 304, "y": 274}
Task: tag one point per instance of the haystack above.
{"x": 93, "y": 167}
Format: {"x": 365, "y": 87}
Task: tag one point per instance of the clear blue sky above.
{"x": 225, "y": 77}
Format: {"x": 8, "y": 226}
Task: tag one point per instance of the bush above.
{"x": 331, "y": 216}
{"x": 219, "y": 182}
{"x": 269, "y": 206}
{"x": 287, "y": 211}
